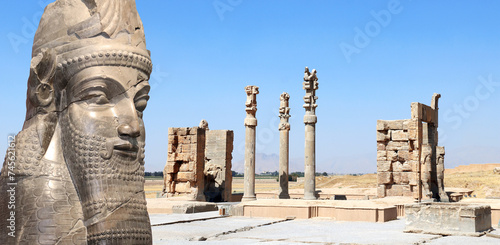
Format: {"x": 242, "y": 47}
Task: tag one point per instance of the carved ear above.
{"x": 43, "y": 68}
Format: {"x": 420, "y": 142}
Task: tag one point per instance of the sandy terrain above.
{"x": 477, "y": 177}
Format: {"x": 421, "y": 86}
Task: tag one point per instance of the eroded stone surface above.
{"x": 183, "y": 173}
{"x": 408, "y": 154}
{"x": 250, "y": 127}
{"x": 310, "y": 85}
{"x": 218, "y": 157}
{"x": 79, "y": 159}
{"x": 199, "y": 163}
{"x": 284, "y": 128}
{"x": 447, "y": 218}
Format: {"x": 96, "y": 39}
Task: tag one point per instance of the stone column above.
{"x": 284, "y": 128}
{"x": 310, "y": 85}
{"x": 250, "y": 125}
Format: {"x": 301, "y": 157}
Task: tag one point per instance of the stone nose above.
{"x": 131, "y": 129}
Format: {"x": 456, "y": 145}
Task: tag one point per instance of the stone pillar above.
{"x": 250, "y": 125}
{"x": 284, "y": 128}
{"x": 218, "y": 156}
{"x": 310, "y": 85}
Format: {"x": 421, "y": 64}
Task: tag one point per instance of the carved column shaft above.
{"x": 310, "y": 85}
{"x": 250, "y": 126}
{"x": 284, "y": 128}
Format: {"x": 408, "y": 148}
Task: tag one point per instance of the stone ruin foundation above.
{"x": 199, "y": 163}
{"x": 409, "y": 162}
{"x": 448, "y": 218}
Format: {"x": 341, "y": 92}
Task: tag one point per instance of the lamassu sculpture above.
{"x": 79, "y": 159}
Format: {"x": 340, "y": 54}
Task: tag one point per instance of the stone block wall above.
{"x": 397, "y": 158}
{"x": 409, "y": 160}
{"x": 183, "y": 173}
{"x": 218, "y": 157}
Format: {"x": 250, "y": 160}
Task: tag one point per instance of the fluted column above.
{"x": 310, "y": 85}
{"x": 250, "y": 126}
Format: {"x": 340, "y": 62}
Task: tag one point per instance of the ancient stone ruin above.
{"x": 408, "y": 154}
{"x": 310, "y": 85}
{"x": 199, "y": 163}
{"x": 284, "y": 128}
{"x": 448, "y": 218}
{"x": 250, "y": 127}
{"x": 79, "y": 159}
{"x": 183, "y": 173}
{"x": 218, "y": 157}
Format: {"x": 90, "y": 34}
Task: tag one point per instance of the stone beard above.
{"x": 111, "y": 188}
{"x": 103, "y": 147}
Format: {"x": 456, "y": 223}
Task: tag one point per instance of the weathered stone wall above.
{"x": 183, "y": 173}
{"x": 409, "y": 160}
{"x": 199, "y": 163}
{"x": 218, "y": 156}
{"x": 397, "y": 158}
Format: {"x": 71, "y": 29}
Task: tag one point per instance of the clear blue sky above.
{"x": 369, "y": 68}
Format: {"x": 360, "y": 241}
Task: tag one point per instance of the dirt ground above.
{"x": 477, "y": 177}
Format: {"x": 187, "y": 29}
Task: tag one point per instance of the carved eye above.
{"x": 96, "y": 97}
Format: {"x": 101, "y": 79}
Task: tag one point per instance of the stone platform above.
{"x": 178, "y": 206}
{"x": 326, "y": 194}
{"x": 493, "y": 203}
{"x": 380, "y": 210}
{"x": 448, "y": 218}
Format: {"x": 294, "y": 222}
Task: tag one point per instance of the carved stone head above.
{"x": 87, "y": 90}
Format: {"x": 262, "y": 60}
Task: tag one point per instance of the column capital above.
{"x": 251, "y": 105}
{"x": 284, "y": 111}
{"x": 310, "y": 85}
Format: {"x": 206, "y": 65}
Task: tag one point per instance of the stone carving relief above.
{"x": 80, "y": 155}
{"x": 284, "y": 111}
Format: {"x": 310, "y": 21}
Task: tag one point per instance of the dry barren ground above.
{"x": 477, "y": 177}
